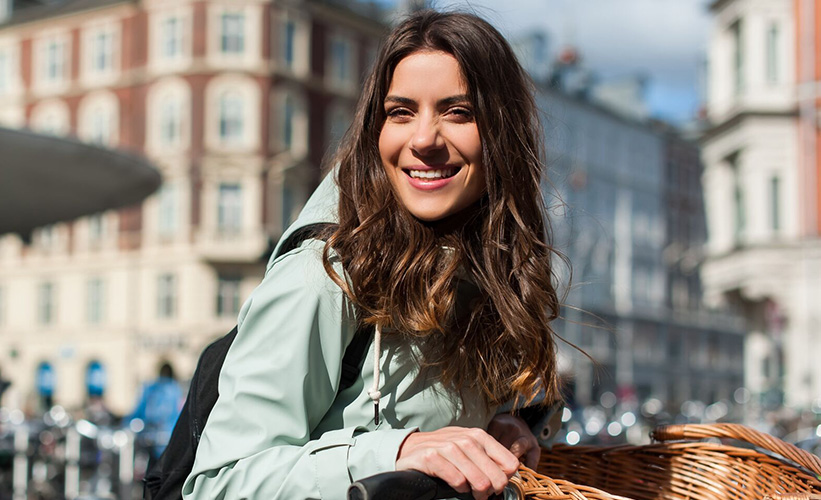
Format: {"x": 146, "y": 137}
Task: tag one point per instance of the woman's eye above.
{"x": 462, "y": 114}
{"x": 398, "y": 113}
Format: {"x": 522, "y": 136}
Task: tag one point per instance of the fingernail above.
{"x": 516, "y": 449}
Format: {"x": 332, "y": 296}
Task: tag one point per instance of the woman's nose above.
{"x": 426, "y": 136}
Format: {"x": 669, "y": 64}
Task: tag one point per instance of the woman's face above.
{"x": 429, "y": 144}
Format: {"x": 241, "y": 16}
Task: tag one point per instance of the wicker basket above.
{"x": 679, "y": 468}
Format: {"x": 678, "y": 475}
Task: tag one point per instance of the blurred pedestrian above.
{"x": 158, "y": 408}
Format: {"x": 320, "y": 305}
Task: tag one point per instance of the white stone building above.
{"x": 761, "y": 190}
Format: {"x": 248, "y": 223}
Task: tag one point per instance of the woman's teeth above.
{"x": 433, "y": 174}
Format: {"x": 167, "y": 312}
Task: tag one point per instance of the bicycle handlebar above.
{"x": 403, "y": 485}
{"x": 415, "y": 485}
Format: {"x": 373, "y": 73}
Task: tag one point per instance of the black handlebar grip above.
{"x": 403, "y": 485}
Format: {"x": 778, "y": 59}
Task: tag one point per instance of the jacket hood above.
{"x": 321, "y": 208}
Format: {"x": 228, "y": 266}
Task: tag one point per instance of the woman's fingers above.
{"x": 467, "y": 459}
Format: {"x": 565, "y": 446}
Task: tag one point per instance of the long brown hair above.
{"x": 403, "y": 273}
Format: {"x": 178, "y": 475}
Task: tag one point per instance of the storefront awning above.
{"x": 45, "y": 179}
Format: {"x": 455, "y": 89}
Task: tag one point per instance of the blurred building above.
{"x": 630, "y": 217}
{"x": 762, "y": 189}
{"x": 236, "y": 101}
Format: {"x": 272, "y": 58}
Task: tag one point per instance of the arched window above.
{"x": 231, "y": 117}
{"x": 99, "y": 119}
{"x": 170, "y": 121}
{"x": 288, "y": 116}
{"x": 232, "y": 113}
{"x": 95, "y": 379}
{"x": 50, "y": 117}
{"x": 46, "y": 381}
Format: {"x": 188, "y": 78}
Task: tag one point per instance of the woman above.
{"x": 440, "y": 242}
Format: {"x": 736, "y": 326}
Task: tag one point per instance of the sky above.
{"x": 665, "y": 40}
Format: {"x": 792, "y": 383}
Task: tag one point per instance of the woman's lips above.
{"x": 429, "y": 178}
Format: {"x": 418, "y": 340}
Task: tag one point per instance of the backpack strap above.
{"x": 304, "y": 233}
{"x": 354, "y": 356}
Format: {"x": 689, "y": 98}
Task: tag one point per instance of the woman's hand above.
{"x": 514, "y": 434}
{"x": 468, "y": 459}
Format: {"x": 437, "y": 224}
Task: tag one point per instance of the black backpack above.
{"x": 165, "y": 477}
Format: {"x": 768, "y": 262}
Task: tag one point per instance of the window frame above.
{"x": 46, "y": 303}
{"x": 95, "y": 301}
{"x": 773, "y": 42}
{"x": 232, "y": 44}
{"x": 341, "y": 74}
{"x": 167, "y": 296}
{"x": 168, "y": 223}
{"x": 230, "y": 209}
{"x": 231, "y": 116}
{"x": 228, "y": 306}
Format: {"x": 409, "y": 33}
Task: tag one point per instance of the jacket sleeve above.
{"x": 280, "y": 377}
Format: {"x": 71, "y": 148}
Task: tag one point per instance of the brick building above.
{"x": 237, "y": 102}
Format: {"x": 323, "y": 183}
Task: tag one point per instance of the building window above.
{"x": 94, "y": 312}
{"x": 772, "y": 53}
{"x": 96, "y": 228}
{"x": 102, "y": 52}
{"x": 5, "y": 72}
{"x": 740, "y": 214}
{"x": 171, "y": 38}
{"x": 229, "y": 208}
{"x": 775, "y": 202}
{"x": 167, "y": 223}
{"x": 100, "y": 127}
{"x": 339, "y": 120}
{"x": 54, "y": 61}
{"x": 228, "y": 295}
{"x": 46, "y": 380}
{"x": 232, "y": 39}
{"x": 46, "y": 238}
{"x": 738, "y": 56}
{"x": 288, "y": 116}
{"x": 166, "y": 296}
{"x": 289, "y": 43}
{"x": 170, "y": 121}
{"x": 231, "y": 117}
{"x": 95, "y": 379}
{"x": 341, "y": 52}
{"x": 5, "y": 10}
{"x": 45, "y": 304}
{"x": 287, "y": 206}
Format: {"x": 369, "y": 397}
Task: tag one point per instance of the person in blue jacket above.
{"x": 159, "y": 406}
{"x": 440, "y": 241}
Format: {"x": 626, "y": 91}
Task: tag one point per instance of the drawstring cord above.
{"x": 374, "y": 392}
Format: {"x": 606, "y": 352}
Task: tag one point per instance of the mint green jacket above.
{"x": 279, "y": 430}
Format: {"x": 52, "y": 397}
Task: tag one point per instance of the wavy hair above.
{"x": 403, "y": 273}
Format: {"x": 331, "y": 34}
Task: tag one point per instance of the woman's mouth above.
{"x": 431, "y": 174}
{"x": 425, "y": 178}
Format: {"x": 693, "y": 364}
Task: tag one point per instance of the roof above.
{"x": 25, "y": 11}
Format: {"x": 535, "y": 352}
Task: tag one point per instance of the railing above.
{"x": 57, "y": 457}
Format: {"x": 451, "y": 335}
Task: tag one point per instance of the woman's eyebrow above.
{"x": 450, "y": 101}
{"x": 399, "y": 100}
{"x": 447, "y": 101}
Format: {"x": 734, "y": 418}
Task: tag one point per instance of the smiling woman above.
{"x": 429, "y": 144}
{"x": 432, "y": 234}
